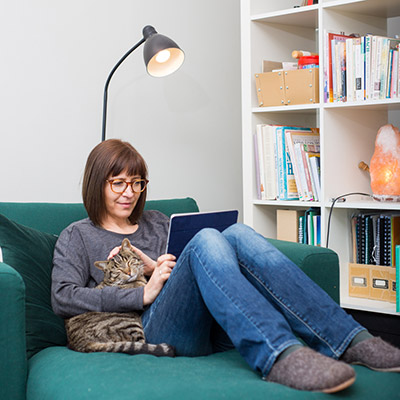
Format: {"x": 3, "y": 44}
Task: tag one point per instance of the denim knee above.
{"x": 238, "y": 232}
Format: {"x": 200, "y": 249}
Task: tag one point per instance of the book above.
{"x": 301, "y": 229}
{"x": 310, "y": 229}
{"x": 316, "y": 173}
{"x": 295, "y": 138}
{"x": 287, "y": 183}
{"x": 259, "y": 149}
{"x": 268, "y": 139}
{"x": 350, "y": 92}
{"x": 367, "y": 60}
{"x": 331, "y": 40}
{"x": 397, "y": 278}
{"x": 394, "y": 236}
{"x": 360, "y": 67}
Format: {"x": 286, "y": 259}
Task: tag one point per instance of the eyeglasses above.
{"x": 119, "y": 186}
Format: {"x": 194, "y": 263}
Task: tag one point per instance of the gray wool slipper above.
{"x": 305, "y": 369}
{"x": 375, "y": 354}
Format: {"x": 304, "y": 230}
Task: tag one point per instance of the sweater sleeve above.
{"x": 73, "y": 289}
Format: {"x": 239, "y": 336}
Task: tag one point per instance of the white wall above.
{"x": 55, "y": 57}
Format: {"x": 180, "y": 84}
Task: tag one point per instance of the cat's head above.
{"x": 123, "y": 268}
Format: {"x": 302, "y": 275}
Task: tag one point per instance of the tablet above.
{"x": 183, "y": 227}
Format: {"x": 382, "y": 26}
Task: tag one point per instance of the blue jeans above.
{"x": 260, "y": 298}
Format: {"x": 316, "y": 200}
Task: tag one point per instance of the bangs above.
{"x": 128, "y": 160}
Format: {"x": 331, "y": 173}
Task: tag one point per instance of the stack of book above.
{"x": 375, "y": 237}
{"x": 360, "y": 68}
{"x": 287, "y": 162}
{"x": 299, "y": 226}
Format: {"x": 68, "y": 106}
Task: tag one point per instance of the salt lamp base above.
{"x": 386, "y": 197}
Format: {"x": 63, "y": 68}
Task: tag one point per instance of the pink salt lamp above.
{"x": 385, "y": 164}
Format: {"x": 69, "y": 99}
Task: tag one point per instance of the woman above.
{"x": 233, "y": 280}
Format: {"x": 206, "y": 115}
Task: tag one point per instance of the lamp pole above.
{"x": 105, "y": 98}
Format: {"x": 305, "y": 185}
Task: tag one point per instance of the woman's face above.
{"x": 119, "y": 206}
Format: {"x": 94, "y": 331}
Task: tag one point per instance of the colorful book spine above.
{"x": 397, "y": 278}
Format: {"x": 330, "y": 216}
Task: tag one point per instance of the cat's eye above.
{"x": 119, "y": 186}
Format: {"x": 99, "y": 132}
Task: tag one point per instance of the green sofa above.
{"x": 35, "y": 364}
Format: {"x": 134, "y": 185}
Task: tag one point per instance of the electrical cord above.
{"x": 333, "y": 204}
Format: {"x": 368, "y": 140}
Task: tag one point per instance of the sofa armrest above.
{"x": 13, "y": 362}
{"x": 319, "y": 263}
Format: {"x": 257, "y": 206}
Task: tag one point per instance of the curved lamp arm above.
{"x": 103, "y": 134}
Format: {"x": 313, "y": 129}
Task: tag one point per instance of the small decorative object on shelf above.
{"x": 385, "y": 164}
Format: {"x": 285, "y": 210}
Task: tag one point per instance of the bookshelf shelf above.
{"x": 381, "y": 8}
{"x": 388, "y": 104}
{"x": 271, "y": 31}
{"x": 303, "y": 16}
{"x": 288, "y": 203}
{"x": 368, "y": 305}
{"x": 301, "y": 108}
{"x": 365, "y": 205}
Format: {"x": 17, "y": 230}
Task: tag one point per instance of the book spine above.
{"x": 384, "y": 68}
{"x": 281, "y": 155}
{"x": 294, "y": 165}
{"x": 358, "y": 70}
{"x": 375, "y": 66}
{"x": 307, "y": 173}
{"x": 299, "y": 160}
{"x": 290, "y": 181}
{"x": 397, "y": 278}
{"x": 269, "y": 162}
{"x": 260, "y": 148}
{"x": 257, "y": 167}
{"x": 368, "y": 67}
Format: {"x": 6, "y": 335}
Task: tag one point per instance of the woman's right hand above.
{"x": 160, "y": 275}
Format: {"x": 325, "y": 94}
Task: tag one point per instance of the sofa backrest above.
{"x": 54, "y": 217}
{"x": 28, "y": 233}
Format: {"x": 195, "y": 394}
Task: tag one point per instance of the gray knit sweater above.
{"x": 74, "y": 275}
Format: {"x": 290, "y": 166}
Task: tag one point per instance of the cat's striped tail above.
{"x": 158, "y": 350}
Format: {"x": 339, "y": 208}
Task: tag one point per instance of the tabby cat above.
{"x": 115, "y": 332}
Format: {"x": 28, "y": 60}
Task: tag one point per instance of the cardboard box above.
{"x": 287, "y": 225}
{"x": 372, "y": 282}
{"x": 287, "y": 87}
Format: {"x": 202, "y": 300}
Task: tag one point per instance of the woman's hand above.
{"x": 149, "y": 264}
{"x": 161, "y": 273}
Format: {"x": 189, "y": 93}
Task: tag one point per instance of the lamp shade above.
{"x": 385, "y": 164}
{"x": 162, "y": 55}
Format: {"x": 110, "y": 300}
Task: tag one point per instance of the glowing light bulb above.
{"x": 163, "y": 56}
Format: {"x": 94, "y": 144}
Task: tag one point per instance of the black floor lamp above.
{"x": 162, "y": 57}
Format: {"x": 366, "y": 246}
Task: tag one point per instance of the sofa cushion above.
{"x": 101, "y": 376}
{"x": 30, "y": 253}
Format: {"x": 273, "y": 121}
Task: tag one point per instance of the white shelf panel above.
{"x": 387, "y": 104}
{"x": 355, "y": 303}
{"x": 366, "y": 205}
{"x": 288, "y": 203}
{"x": 302, "y": 16}
{"x": 301, "y": 108}
{"x": 376, "y": 8}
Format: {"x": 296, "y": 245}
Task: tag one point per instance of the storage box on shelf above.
{"x": 271, "y": 31}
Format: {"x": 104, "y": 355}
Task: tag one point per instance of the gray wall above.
{"x": 55, "y": 58}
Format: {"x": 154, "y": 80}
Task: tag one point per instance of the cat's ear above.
{"x": 126, "y": 244}
{"x": 101, "y": 264}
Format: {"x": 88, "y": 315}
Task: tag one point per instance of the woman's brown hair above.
{"x": 110, "y": 158}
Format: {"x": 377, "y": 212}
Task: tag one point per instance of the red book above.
{"x": 340, "y": 38}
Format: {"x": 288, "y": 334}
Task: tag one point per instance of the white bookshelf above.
{"x": 270, "y": 31}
